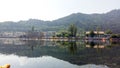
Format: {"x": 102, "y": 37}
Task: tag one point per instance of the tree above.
{"x": 33, "y": 28}
{"x": 73, "y": 30}
{"x": 115, "y": 36}
{"x": 98, "y": 29}
{"x": 108, "y": 32}
{"x": 92, "y": 33}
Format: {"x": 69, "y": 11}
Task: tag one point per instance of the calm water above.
{"x": 59, "y": 54}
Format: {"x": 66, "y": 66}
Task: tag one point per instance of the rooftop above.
{"x": 96, "y": 32}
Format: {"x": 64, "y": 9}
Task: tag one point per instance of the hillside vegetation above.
{"x": 105, "y": 21}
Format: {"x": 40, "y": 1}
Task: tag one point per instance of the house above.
{"x": 96, "y": 35}
{"x": 11, "y": 34}
{"x": 49, "y": 34}
{"x": 34, "y": 35}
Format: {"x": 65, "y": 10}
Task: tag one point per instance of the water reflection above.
{"x": 41, "y": 62}
{"x": 59, "y": 54}
{"x": 71, "y": 46}
{"x": 97, "y": 44}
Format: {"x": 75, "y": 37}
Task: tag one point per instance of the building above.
{"x": 34, "y": 34}
{"x": 49, "y": 34}
{"x": 96, "y": 35}
{"x": 11, "y": 34}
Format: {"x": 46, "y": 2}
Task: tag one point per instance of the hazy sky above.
{"x": 15, "y": 10}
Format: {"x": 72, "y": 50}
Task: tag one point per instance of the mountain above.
{"x": 105, "y": 21}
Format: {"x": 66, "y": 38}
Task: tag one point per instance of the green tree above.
{"x": 92, "y": 33}
{"x": 108, "y": 32}
{"x": 98, "y": 29}
{"x": 73, "y": 30}
{"x": 33, "y": 28}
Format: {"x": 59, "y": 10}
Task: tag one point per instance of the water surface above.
{"x": 59, "y": 54}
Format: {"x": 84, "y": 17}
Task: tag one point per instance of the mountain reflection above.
{"x": 76, "y": 52}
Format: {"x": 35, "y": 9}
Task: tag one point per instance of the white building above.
{"x": 97, "y": 35}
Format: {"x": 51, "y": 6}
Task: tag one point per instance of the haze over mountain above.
{"x": 105, "y": 21}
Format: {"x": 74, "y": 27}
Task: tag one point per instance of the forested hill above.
{"x": 105, "y": 21}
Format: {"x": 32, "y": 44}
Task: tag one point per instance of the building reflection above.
{"x": 97, "y": 44}
{"x": 12, "y": 41}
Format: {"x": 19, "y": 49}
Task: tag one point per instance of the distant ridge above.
{"x": 109, "y": 20}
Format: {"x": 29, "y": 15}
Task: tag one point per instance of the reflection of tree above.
{"x": 92, "y": 44}
{"x": 63, "y": 43}
{"x": 34, "y": 43}
{"x": 31, "y": 43}
{"x": 73, "y": 47}
{"x": 113, "y": 43}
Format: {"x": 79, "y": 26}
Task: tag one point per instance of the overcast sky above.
{"x": 15, "y": 10}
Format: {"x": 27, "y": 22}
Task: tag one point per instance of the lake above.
{"x": 59, "y": 54}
